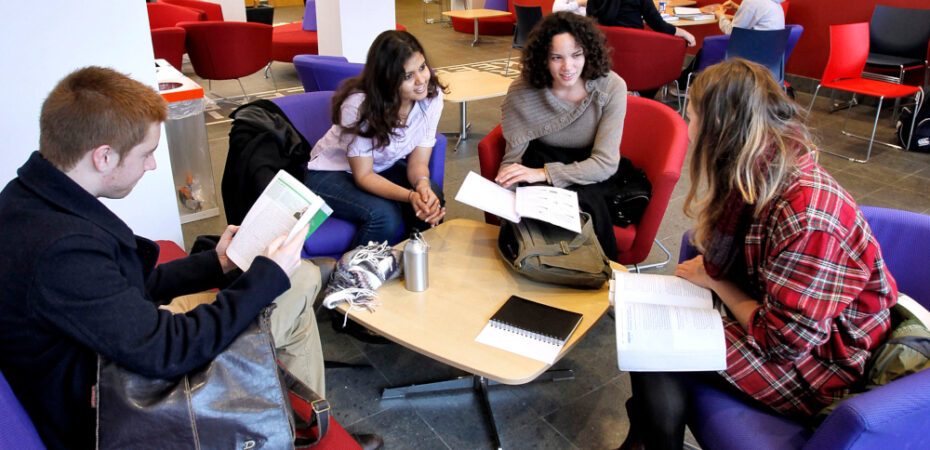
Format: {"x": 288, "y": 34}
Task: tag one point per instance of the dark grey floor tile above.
{"x": 402, "y": 366}
{"x": 355, "y": 392}
{"x": 597, "y": 420}
{"x": 539, "y": 435}
{"x": 401, "y": 428}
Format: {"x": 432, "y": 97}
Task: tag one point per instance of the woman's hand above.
{"x": 516, "y": 173}
{"x": 688, "y": 37}
{"x": 426, "y": 204}
{"x": 693, "y": 270}
{"x": 223, "y": 244}
{"x": 730, "y": 4}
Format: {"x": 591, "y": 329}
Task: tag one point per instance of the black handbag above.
{"x": 240, "y": 400}
{"x": 629, "y": 194}
{"x": 552, "y": 254}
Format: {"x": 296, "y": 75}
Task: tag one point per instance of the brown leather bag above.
{"x": 548, "y": 253}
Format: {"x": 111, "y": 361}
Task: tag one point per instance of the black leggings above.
{"x": 661, "y": 404}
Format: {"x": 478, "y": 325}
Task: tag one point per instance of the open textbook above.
{"x": 550, "y": 204}
{"x": 666, "y": 323}
{"x": 685, "y": 12}
{"x": 285, "y": 206}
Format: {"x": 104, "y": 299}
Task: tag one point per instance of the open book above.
{"x": 685, "y": 12}
{"x": 550, "y": 204}
{"x": 285, "y": 206}
{"x": 666, "y": 323}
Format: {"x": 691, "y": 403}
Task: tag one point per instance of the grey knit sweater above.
{"x": 597, "y": 121}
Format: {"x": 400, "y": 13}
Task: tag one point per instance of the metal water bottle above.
{"x": 416, "y": 268}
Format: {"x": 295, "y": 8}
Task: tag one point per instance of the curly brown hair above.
{"x": 597, "y": 61}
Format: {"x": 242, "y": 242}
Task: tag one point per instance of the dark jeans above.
{"x": 379, "y": 219}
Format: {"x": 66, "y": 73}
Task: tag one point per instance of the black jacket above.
{"x": 629, "y": 14}
{"x": 262, "y": 141}
{"x": 75, "y": 282}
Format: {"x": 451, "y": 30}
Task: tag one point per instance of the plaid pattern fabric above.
{"x": 825, "y": 292}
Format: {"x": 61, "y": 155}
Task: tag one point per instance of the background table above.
{"x": 469, "y": 86}
{"x": 476, "y": 14}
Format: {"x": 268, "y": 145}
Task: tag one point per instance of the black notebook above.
{"x": 536, "y": 320}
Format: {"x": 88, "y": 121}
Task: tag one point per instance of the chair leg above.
{"x": 268, "y": 68}
{"x": 668, "y": 257}
{"x": 273, "y": 80}
{"x": 507, "y": 70}
{"x": 244, "y": 95}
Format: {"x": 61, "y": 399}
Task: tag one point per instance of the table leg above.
{"x": 481, "y": 389}
{"x": 475, "y": 42}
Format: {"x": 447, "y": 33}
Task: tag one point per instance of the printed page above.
{"x": 668, "y": 338}
{"x": 661, "y": 290}
{"x": 486, "y": 195}
{"x": 282, "y": 205}
{"x": 550, "y": 204}
{"x": 685, "y": 10}
{"x": 519, "y": 344}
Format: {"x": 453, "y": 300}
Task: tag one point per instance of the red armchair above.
{"x": 228, "y": 50}
{"x": 213, "y": 11}
{"x": 645, "y": 59}
{"x": 167, "y": 39}
{"x": 655, "y": 138}
{"x": 490, "y": 25}
{"x": 163, "y": 15}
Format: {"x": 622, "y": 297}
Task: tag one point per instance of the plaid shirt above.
{"x": 824, "y": 291}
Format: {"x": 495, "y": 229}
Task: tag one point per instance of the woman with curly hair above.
{"x": 371, "y": 166}
{"x": 786, "y": 250}
{"x": 563, "y": 118}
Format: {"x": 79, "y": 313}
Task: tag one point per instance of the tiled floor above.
{"x": 586, "y": 412}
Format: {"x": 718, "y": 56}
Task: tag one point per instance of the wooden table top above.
{"x": 475, "y": 13}
{"x": 473, "y": 85}
{"x": 468, "y": 282}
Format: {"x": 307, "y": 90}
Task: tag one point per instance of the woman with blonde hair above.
{"x": 786, "y": 250}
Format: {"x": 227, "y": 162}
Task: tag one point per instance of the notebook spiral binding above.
{"x": 516, "y": 330}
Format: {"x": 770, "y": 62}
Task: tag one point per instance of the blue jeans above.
{"x": 379, "y": 219}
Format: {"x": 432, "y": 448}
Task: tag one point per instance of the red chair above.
{"x": 655, "y": 138}
{"x": 163, "y": 15}
{"x": 849, "y": 49}
{"x": 228, "y": 50}
{"x": 298, "y": 38}
{"x": 213, "y": 11}
{"x": 645, "y": 59}
{"x": 168, "y": 44}
{"x": 784, "y": 9}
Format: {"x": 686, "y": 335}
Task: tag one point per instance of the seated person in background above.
{"x": 575, "y": 6}
{"x": 631, "y": 14}
{"x": 751, "y": 14}
{"x": 75, "y": 282}
{"x": 563, "y": 118}
{"x": 784, "y": 247}
{"x": 371, "y": 166}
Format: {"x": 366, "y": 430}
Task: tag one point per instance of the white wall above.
{"x": 348, "y": 27}
{"x": 44, "y": 41}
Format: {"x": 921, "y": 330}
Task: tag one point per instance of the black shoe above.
{"x": 368, "y": 441}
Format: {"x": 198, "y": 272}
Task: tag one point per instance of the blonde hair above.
{"x": 750, "y": 135}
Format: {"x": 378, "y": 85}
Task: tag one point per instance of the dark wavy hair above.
{"x": 597, "y": 61}
{"x": 380, "y": 81}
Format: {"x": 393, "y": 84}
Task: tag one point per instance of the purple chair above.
{"x": 309, "y": 112}
{"x": 16, "y": 429}
{"x": 892, "y": 416}
{"x": 324, "y": 73}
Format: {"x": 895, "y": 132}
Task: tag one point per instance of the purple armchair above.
{"x": 309, "y": 112}
{"x": 324, "y": 73}
{"x": 891, "y": 416}
{"x": 16, "y": 429}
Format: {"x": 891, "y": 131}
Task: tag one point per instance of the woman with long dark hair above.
{"x": 786, "y": 250}
{"x": 563, "y": 118}
{"x": 371, "y": 166}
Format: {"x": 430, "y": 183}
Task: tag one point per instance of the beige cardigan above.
{"x": 597, "y": 121}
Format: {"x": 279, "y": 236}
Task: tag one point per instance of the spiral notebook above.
{"x": 530, "y": 329}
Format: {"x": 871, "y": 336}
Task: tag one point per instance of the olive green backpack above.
{"x": 906, "y": 351}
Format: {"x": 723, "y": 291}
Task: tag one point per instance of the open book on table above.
{"x": 285, "y": 206}
{"x": 550, "y": 204}
{"x": 666, "y": 323}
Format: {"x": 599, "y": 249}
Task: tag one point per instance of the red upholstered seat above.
{"x": 213, "y": 11}
{"x": 660, "y": 155}
{"x": 645, "y": 59}
{"x": 290, "y": 40}
{"x": 163, "y": 15}
{"x": 168, "y": 43}
{"x": 227, "y": 50}
{"x": 487, "y": 25}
